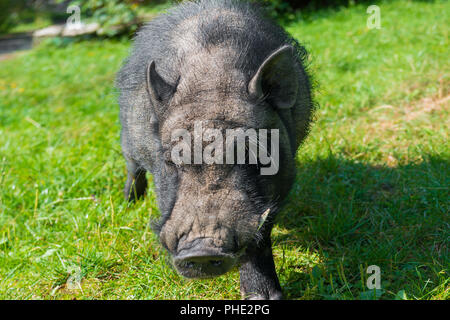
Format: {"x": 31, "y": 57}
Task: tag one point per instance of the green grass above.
{"x": 372, "y": 185}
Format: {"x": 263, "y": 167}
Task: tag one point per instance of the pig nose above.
{"x": 203, "y": 263}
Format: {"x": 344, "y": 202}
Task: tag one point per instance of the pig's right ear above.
{"x": 158, "y": 89}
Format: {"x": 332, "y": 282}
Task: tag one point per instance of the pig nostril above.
{"x": 194, "y": 264}
{"x": 216, "y": 263}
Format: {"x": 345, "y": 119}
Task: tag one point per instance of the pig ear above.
{"x": 157, "y": 87}
{"x": 277, "y": 79}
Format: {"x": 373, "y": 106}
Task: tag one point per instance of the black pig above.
{"x": 224, "y": 64}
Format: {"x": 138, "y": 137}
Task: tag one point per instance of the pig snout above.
{"x": 201, "y": 260}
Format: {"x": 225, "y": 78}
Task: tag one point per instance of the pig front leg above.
{"x": 259, "y": 279}
{"x": 136, "y": 184}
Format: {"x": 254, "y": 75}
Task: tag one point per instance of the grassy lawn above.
{"x": 372, "y": 183}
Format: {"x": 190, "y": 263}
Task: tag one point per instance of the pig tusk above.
{"x": 263, "y": 218}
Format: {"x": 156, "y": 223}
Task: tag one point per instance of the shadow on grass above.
{"x": 353, "y": 215}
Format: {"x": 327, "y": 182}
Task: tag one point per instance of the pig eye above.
{"x": 167, "y": 156}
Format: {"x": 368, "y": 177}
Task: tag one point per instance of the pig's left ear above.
{"x": 158, "y": 89}
{"x": 277, "y": 79}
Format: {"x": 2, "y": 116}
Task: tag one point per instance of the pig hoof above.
{"x": 272, "y": 296}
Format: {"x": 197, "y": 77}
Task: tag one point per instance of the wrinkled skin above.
{"x": 202, "y": 61}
